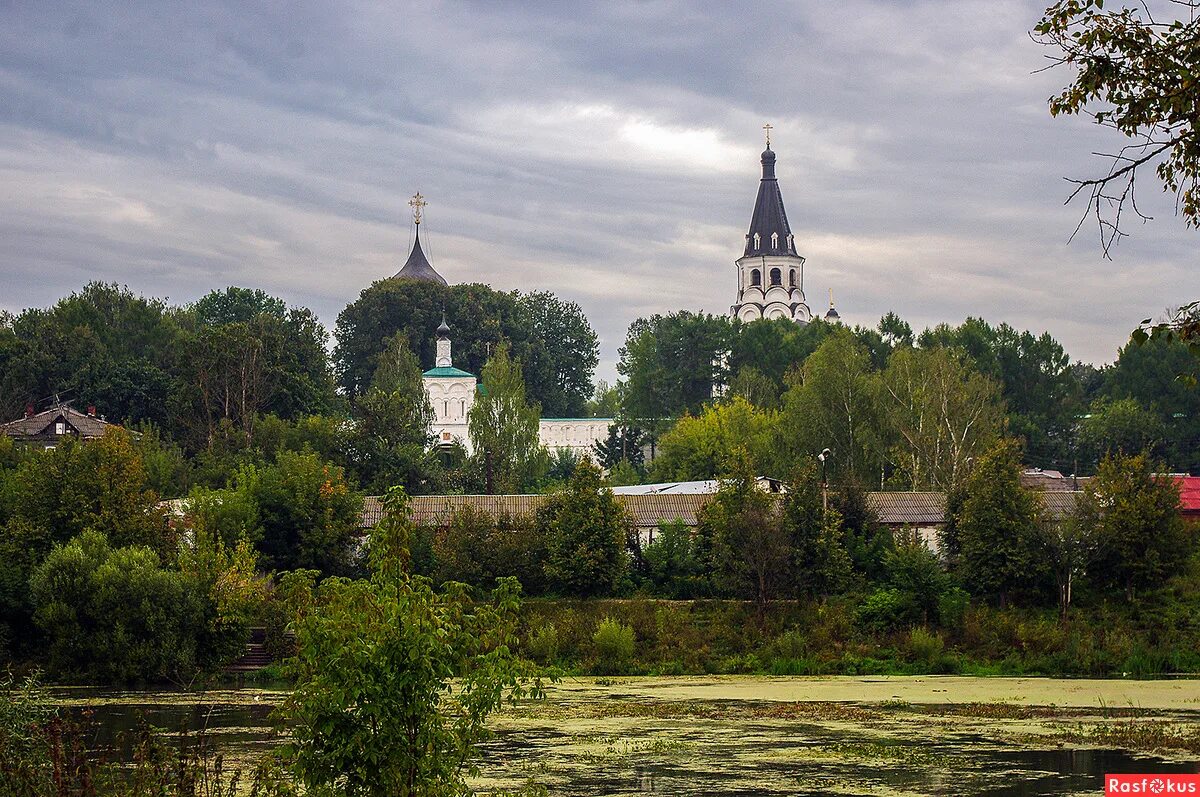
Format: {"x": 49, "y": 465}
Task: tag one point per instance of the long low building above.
{"x": 919, "y": 513}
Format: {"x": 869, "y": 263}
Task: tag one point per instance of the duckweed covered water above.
{"x": 774, "y": 736}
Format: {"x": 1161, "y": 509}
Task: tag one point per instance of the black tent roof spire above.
{"x": 418, "y": 267}
{"x": 770, "y": 233}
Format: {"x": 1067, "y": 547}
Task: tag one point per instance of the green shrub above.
{"x": 542, "y": 645}
{"x": 886, "y": 610}
{"x": 116, "y": 614}
{"x": 952, "y": 607}
{"x": 925, "y": 647}
{"x": 614, "y": 645}
{"x": 790, "y": 645}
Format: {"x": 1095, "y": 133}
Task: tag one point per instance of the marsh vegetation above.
{"x": 764, "y": 736}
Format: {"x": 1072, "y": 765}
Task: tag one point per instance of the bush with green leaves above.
{"x": 886, "y": 609}
{"x": 542, "y": 643}
{"x": 673, "y": 568}
{"x": 309, "y": 514}
{"x": 614, "y": 645}
{"x": 924, "y": 646}
{"x": 116, "y": 614}
{"x": 395, "y": 681}
{"x": 585, "y": 529}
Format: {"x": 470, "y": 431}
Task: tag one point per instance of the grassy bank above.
{"x": 657, "y": 637}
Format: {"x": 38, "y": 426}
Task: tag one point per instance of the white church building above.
{"x": 452, "y": 391}
{"x": 770, "y": 285}
{"x": 770, "y": 270}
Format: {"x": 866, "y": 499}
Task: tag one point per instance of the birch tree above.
{"x": 941, "y": 413}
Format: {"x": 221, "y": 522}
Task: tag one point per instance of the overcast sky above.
{"x": 607, "y": 152}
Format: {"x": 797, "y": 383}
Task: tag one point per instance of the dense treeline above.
{"x": 234, "y": 405}
{"x": 868, "y": 395}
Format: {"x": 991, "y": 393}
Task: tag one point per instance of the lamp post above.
{"x": 824, "y": 455}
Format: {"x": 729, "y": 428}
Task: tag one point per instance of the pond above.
{"x": 774, "y": 736}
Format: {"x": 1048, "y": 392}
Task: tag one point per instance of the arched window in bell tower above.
{"x": 776, "y": 277}
{"x": 755, "y": 278}
{"x": 791, "y": 278}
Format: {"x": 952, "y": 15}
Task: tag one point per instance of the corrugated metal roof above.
{"x": 1052, "y": 480}
{"x": 1060, "y": 504}
{"x": 908, "y": 509}
{"x": 1189, "y": 493}
{"x": 646, "y": 511}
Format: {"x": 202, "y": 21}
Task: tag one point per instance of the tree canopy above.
{"x": 551, "y": 337}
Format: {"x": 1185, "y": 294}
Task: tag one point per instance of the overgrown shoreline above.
{"x": 800, "y": 638}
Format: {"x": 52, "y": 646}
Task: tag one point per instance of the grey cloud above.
{"x": 607, "y": 152}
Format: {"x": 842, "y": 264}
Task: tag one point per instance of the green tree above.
{"x": 774, "y": 347}
{"x": 308, "y": 513}
{"x": 504, "y": 428}
{"x": 1040, "y": 389}
{"x": 830, "y": 570}
{"x": 834, "y": 405}
{"x": 585, "y": 529}
{"x": 741, "y": 539}
{"x": 1122, "y": 426}
{"x": 394, "y": 681}
{"x": 99, "y": 485}
{"x": 605, "y": 401}
{"x": 1134, "y": 516}
{"x": 1071, "y": 547}
{"x": 671, "y": 365}
{"x": 756, "y": 387}
{"x": 115, "y": 614}
{"x": 866, "y": 541}
{"x": 233, "y": 595}
{"x": 103, "y": 345}
{"x": 623, "y": 444}
{"x": 1135, "y": 73}
{"x": 705, "y": 446}
{"x": 940, "y": 411}
{"x": 895, "y": 331}
{"x": 563, "y": 354}
{"x": 393, "y": 424}
{"x": 246, "y": 354}
{"x": 1159, "y": 374}
{"x": 915, "y": 573}
{"x": 673, "y": 568}
{"x": 1001, "y": 551}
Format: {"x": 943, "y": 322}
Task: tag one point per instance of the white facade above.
{"x": 452, "y": 392}
{"x": 577, "y": 434}
{"x": 452, "y": 397}
{"x": 770, "y": 287}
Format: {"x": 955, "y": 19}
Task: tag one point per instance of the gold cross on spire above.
{"x": 417, "y": 203}
{"x": 767, "y": 127}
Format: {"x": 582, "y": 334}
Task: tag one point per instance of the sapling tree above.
{"x": 395, "y": 681}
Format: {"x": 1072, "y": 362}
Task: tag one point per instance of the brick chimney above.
{"x": 92, "y": 410}
{"x": 29, "y": 410}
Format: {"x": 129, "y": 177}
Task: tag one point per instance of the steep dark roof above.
{"x": 769, "y": 216}
{"x": 418, "y": 266}
{"x": 42, "y": 424}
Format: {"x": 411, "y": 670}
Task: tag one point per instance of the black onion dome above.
{"x": 418, "y": 267}
{"x": 769, "y": 216}
{"x": 832, "y": 315}
{"x": 443, "y": 330}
